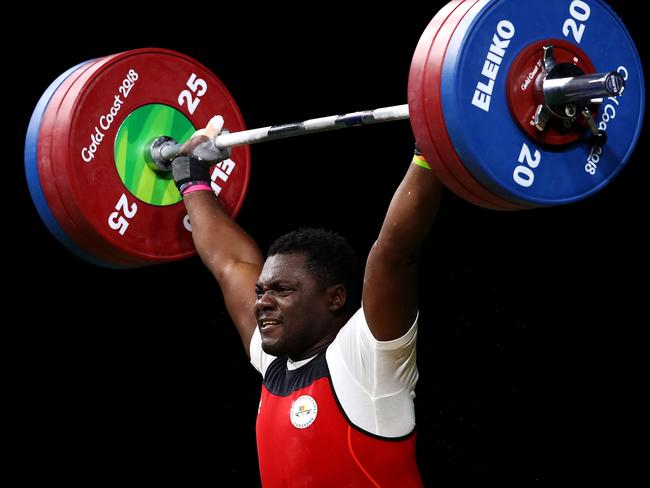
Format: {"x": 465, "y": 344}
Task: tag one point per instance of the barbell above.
{"x": 514, "y": 108}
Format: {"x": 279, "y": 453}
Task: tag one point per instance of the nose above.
{"x": 264, "y": 302}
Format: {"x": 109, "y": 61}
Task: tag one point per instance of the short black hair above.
{"x": 329, "y": 257}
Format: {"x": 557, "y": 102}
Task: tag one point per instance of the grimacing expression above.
{"x": 293, "y": 311}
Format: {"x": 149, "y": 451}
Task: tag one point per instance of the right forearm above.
{"x": 230, "y": 254}
{"x": 219, "y": 240}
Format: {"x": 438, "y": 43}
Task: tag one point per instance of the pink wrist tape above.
{"x": 196, "y": 188}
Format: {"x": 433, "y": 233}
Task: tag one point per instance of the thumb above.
{"x": 213, "y": 128}
{"x": 216, "y": 123}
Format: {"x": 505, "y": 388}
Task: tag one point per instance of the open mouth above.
{"x": 268, "y": 324}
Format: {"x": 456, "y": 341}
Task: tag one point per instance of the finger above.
{"x": 212, "y": 129}
{"x": 214, "y": 126}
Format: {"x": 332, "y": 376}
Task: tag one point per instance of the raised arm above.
{"x": 390, "y": 281}
{"x": 230, "y": 254}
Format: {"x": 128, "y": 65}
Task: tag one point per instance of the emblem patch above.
{"x": 303, "y": 412}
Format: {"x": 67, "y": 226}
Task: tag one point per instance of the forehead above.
{"x": 284, "y": 267}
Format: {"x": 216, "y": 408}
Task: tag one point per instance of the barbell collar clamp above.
{"x": 565, "y": 92}
{"x": 157, "y": 162}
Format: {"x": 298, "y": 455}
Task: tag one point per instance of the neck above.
{"x": 317, "y": 348}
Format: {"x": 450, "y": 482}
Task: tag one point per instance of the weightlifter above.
{"x": 336, "y": 406}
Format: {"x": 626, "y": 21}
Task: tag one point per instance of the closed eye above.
{"x": 282, "y": 291}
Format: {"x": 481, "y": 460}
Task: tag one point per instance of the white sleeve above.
{"x": 375, "y": 380}
{"x": 259, "y": 359}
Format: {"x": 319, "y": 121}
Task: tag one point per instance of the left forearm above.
{"x": 411, "y": 214}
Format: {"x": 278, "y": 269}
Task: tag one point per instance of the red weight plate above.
{"x": 84, "y": 138}
{"x": 417, "y": 96}
{"x": 55, "y": 199}
{"x": 522, "y": 96}
{"x": 56, "y": 170}
{"x": 425, "y": 108}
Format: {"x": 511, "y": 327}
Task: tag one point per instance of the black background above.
{"x": 529, "y": 348}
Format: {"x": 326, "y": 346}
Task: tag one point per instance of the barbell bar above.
{"x": 169, "y": 149}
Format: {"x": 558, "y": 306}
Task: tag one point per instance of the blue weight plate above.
{"x": 32, "y": 173}
{"x": 490, "y": 143}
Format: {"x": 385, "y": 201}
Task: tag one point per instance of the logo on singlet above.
{"x": 303, "y": 412}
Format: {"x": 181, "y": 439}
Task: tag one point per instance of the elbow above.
{"x": 230, "y": 270}
{"x": 392, "y": 251}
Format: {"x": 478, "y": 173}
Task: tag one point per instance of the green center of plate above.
{"x": 132, "y": 143}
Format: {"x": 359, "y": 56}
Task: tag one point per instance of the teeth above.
{"x": 266, "y": 323}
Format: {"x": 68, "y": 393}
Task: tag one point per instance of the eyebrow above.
{"x": 271, "y": 284}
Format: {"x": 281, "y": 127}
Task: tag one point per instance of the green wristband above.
{"x": 420, "y": 161}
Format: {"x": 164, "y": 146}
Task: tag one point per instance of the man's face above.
{"x": 292, "y": 309}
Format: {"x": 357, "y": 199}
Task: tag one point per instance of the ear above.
{"x": 337, "y": 297}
